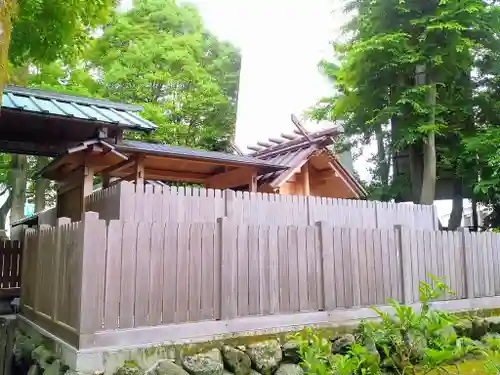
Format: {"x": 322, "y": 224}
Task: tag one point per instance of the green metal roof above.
{"x": 55, "y": 104}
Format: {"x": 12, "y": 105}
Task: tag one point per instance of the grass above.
{"x": 470, "y": 367}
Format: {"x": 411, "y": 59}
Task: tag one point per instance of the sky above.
{"x": 281, "y": 43}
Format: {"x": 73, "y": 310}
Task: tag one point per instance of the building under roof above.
{"x": 311, "y": 167}
{"x": 86, "y": 138}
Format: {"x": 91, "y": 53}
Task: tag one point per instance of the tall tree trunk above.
{"x": 416, "y": 171}
{"x": 475, "y": 221}
{"x": 41, "y": 186}
{"x": 6, "y": 14}
{"x": 458, "y": 204}
{"x": 19, "y": 180}
{"x": 382, "y": 160}
{"x": 428, "y": 191}
{"x": 4, "y": 210}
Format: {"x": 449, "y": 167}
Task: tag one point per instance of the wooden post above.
{"x": 229, "y": 270}
{"x": 87, "y": 186}
{"x": 57, "y": 262}
{"x": 306, "y": 186}
{"x": 467, "y": 263}
{"x": 253, "y": 183}
{"x": 139, "y": 172}
{"x": 404, "y": 256}
{"x": 93, "y": 262}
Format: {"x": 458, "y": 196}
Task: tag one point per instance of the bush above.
{"x": 405, "y": 342}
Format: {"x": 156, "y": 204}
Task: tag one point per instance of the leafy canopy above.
{"x": 159, "y": 55}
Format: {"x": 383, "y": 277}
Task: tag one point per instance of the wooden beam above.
{"x": 166, "y": 175}
{"x": 301, "y": 128}
{"x": 33, "y": 148}
{"x": 255, "y": 148}
{"x": 121, "y": 165}
{"x": 231, "y": 179}
{"x": 278, "y": 141}
{"x": 289, "y": 137}
{"x": 195, "y": 160}
{"x": 237, "y": 149}
{"x": 264, "y": 144}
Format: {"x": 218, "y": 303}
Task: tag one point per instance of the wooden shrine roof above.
{"x": 160, "y": 162}
{"x": 294, "y": 150}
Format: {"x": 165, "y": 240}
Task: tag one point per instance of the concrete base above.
{"x": 108, "y": 350}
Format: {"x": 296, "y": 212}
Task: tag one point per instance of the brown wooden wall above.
{"x": 69, "y": 203}
{"x": 81, "y": 278}
{"x": 10, "y": 264}
{"x": 175, "y": 204}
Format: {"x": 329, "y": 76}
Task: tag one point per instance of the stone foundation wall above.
{"x": 260, "y": 358}
{"x": 34, "y": 354}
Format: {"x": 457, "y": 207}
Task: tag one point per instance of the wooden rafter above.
{"x": 232, "y": 178}
{"x": 119, "y": 166}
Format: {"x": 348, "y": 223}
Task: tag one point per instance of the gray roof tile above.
{"x": 56, "y": 104}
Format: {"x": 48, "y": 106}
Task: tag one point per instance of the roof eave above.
{"x": 260, "y": 164}
{"x": 71, "y": 98}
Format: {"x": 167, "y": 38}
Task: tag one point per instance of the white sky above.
{"x": 281, "y": 44}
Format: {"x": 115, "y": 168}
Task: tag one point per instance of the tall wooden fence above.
{"x": 80, "y": 278}
{"x": 178, "y": 204}
{"x": 10, "y": 266}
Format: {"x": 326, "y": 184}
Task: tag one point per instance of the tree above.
{"x": 160, "y": 56}
{"x": 34, "y": 32}
{"x": 404, "y": 79}
{"x": 43, "y": 31}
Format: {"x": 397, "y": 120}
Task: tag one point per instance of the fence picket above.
{"x": 98, "y": 274}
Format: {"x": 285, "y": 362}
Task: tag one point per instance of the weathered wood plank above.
{"x": 127, "y": 298}
{"x": 156, "y": 274}
{"x": 113, "y": 274}
{"x": 195, "y": 269}
{"x": 171, "y": 252}
{"x": 254, "y": 274}
{"x": 183, "y": 256}
{"x": 142, "y": 277}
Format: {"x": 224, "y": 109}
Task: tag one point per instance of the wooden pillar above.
{"x": 139, "y": 171}
{"x": 87, "y": 185}
{"x": 306, "y": 186}
{"x": 252, "y": 186}
{"x": 88, "y": 181}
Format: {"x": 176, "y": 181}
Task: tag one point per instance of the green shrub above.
{"x": 406, "y": 342}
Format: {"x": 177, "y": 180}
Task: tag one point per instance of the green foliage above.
{"x": 46, "y": 30}
{"x": 376, "y": 82}
{"x": 405, "y": 341}
{"x": 160, "y": 56}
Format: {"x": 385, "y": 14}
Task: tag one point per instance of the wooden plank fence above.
{"x": 10, "y": 265}
{"x": 179, "y": 204}
{"x": 97, "y": 275}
